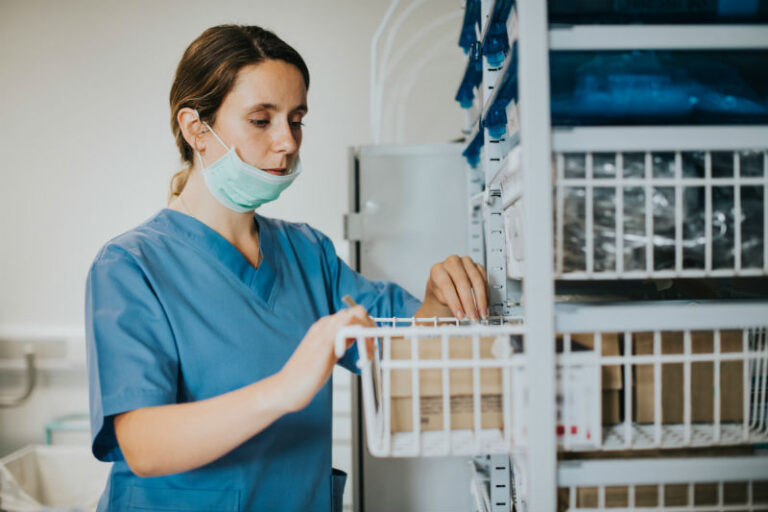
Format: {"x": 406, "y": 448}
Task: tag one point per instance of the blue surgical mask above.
{"x": 242, "y": 187}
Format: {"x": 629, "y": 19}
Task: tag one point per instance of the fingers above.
{"x": 462, "y": 285}
{"x": 461, "y": 280}
{"x": 479, "y": 282}
{"x": 445, "y": 290}
{"x": 357, "y": 315}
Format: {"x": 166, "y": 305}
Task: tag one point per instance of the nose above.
{"x": 285, "y": 140}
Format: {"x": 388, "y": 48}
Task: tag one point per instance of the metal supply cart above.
{"x": 676, "y": 390}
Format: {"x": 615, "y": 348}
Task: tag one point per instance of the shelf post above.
{"x": 538, "y": 284}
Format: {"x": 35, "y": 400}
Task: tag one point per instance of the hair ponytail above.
{"x": 179, "y": 181}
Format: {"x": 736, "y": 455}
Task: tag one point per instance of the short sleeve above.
{"x": 132, "y": 356}
{"x": 382, "y": 299}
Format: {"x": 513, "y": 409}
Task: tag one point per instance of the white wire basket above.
{"x": 711, "y": 484}
{"x": 414, "y": 358}
{"x": 651, "y": 214}
{"x": 628, "y": 390}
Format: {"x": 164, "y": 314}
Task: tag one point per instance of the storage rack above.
{"x": 515, "y": 224}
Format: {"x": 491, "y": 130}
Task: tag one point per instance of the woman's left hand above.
{"x": 456, "y": 287}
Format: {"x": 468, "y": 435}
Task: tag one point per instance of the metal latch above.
{"x": 353, "y": 226}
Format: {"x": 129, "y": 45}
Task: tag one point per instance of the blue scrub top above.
{"x": 175, "y": 313}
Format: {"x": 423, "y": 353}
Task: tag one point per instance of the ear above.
{"x": 191, "y": 128}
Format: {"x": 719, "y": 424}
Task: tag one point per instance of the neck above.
{"x": 196, "y": 201}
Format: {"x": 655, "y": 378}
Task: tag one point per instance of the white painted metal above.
{"x": 583, "y": 473}
{"x": 374, "y": 109}
{"x": 658, "y": 138}
{"x": 538, "y": 286}
{"x": 658, "y": 37}
{"x": 499, "y": 473}
{"x": 656, "y": 316}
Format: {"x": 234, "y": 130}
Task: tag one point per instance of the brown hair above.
{"x": 207, "y": 72}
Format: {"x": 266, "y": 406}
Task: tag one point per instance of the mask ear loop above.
{"x": 213, "y": 132}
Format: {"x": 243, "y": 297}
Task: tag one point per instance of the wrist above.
{"x": 281, "y": 400}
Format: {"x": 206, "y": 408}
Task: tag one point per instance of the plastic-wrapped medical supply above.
{"x": 470, "y": 26}
{"x": 473, "y": 149}
{"x": 473, "y": 77}
{"x": 667, "y": 11}
{"x": 648, "y": 222}
{"x": 496, "y": 40}
{"x": 495, "y": 120}
{"x": 659, "y": 87}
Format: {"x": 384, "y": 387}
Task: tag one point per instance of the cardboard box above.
{"x": 702, "y": 379}
{"x": 461, "y": 398}
{"x": 675, "y": 495}
{"x": 460, "y": 382}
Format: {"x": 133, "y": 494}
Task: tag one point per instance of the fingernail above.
{"x": 459, "y": 314}
{"x": 485, "y": 312}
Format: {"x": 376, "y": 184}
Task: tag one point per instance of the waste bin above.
{"x": 51, "y": 479}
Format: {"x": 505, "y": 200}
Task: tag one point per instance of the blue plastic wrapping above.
{"x": 496, "y": 39}
{"x": 659, "y": 87}
{"x": 496, "y": 43}
{"x": 470, "y": 26}
{"x": 495, "y": 120}
{"x": 473, "y": 77}
{"x": 658, "y": 11}
{"x": 472, "y": 152}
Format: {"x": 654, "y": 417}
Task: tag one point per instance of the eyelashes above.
{"x": 263, "y": 123}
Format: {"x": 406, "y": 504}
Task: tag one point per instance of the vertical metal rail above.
{"x": 765, "y": 213}
{"x": 679, "y": 190}
{"x": 500, "y": 491}
{"x": 619, "y": 213}
{"x": 708, "y": 212}
{"x": 560, "y": 190}
{"x": 589, "y": 216}
{"x": 649, "y": 229}
{"x": 496, "y": 258}
{"x": 657, "y": 418}
{"x": 496, "y": 261}
{"x": 716, "y": 387}
{"x": 475, "y": 225}
{"x": 538, "y": 285}
{"x": 737, "y": 213}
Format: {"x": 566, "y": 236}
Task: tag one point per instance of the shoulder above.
{"x": 132, "y": 246}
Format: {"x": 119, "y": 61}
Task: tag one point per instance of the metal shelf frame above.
{"x": 658, "y": 37}
{"x": 524, "y": 175}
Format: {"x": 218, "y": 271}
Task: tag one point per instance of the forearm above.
{"x": 181, "y": 437}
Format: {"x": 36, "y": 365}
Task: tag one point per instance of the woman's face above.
{"x": 261, "y": 117}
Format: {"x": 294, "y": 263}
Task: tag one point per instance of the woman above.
{"x": 210, "y": 328}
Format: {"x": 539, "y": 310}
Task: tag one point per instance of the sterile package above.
{"x": 667, "y": 11}
{"x": 663, "y": 197}
{"x": 631, "y": 87}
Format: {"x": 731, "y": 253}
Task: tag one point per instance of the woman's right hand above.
{"x": 312, "y": 363}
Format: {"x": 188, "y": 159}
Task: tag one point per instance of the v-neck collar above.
{"x": 261, "y": 280}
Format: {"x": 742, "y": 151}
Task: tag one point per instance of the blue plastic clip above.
{"x": 473, "y": 77}
{"x": 470, "y": 25}
{"x": 495, "y": 120}
{"x": 496, "y": 41}
{"x": 472, "y": 152}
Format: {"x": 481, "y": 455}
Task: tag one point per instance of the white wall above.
{"x": 86, "y": 150}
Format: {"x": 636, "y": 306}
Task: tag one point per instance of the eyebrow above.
{"x": 272, "y": 106}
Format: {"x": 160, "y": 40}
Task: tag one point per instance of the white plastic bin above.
{"x": 51, "y": 478}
